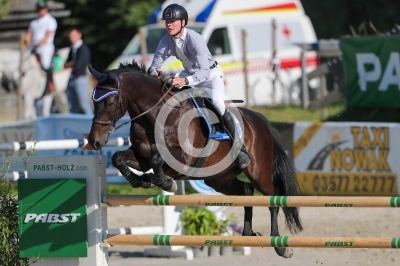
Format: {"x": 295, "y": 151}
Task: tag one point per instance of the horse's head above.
{"x": 108, "y": 108}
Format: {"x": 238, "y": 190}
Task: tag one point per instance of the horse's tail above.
{"x": 285, "y": 182}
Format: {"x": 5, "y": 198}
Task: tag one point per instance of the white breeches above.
{"x": 46, "y": 54}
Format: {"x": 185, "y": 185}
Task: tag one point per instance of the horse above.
{"x": 158, "y": 142}
{"x": 33, "y": 79}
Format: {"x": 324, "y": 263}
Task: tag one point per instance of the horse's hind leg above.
{"x": 121, "y": 160}
{"x": 234, "y": 186}
{"x": 248, "y": 213}
{"x": 281, "y": 251}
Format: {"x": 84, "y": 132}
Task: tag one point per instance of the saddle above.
{"x": 216, "y": 131}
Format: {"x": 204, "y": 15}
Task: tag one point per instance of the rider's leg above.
{"x": 46, "y": 54}
{"x": 243, "y": 158}
{"x": 217, "y": 97}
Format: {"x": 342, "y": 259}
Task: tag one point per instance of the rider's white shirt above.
{"x": 40, "y": 26}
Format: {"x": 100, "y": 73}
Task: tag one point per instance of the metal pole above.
{"x": 19, "y": 94}
{"x": 246, "y": 80}
{"x": 273, "y": 61}
{"x": 304, "y": 82}
{"x": 143, "y": 45}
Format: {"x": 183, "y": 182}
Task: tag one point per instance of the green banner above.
{"x": 52, "y": 218}
{"x": 372, "y": 71}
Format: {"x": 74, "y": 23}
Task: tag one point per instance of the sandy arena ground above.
{"x": 339, "y": 222}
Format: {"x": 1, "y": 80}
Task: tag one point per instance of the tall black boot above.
{"x": 243, "y": 158}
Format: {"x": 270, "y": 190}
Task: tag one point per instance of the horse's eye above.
{"x": 110, "y": 104}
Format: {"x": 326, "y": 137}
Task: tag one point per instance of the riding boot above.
{"x": 49, "y": 79}
{"x": 243, "y": 158}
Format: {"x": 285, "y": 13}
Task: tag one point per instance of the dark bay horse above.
{"x": 130, "y": 89}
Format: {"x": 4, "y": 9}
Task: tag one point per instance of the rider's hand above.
{"x": 178, "y": 82}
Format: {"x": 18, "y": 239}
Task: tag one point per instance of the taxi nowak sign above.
{"x": 52, "y": 218}
{"x": 347, "y": 158}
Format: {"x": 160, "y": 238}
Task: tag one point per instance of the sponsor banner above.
{"x": 52, "y": 218}
{"x": 372, "y": 71}
{"x": 357, "y": 159}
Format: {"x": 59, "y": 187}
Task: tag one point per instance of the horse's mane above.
{"x": 141, "y": 69}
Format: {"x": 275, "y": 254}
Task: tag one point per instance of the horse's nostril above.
{"x": 97, "y": 145}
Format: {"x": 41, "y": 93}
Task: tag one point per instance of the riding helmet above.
{"x": 41, "y": 4}
{"x": 175, "y": 11}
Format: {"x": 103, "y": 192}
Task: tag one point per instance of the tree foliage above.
{"x": 333, "y": 19}
{"x": 5, "y": 7}
{"x": 9, "y": 238}
{"x": 107, "y": 25}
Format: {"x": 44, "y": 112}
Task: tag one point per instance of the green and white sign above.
{"x": 372, "y": 71}
{"x": 52, "y": 218}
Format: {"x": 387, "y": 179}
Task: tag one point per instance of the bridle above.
{"x": 119, "y": 105}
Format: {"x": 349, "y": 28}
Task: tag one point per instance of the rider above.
{"x": 200, "y": 68}
{"x": 40, "y": 37}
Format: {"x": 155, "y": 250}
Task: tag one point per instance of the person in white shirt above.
{"x": 200, "y": 68}
{"x": 40, "y": 35}
{"x": 40, "y": 41}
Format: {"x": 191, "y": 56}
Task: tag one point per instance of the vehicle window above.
{"x": 152, "y": 38}
{"x": 218, "y": 43}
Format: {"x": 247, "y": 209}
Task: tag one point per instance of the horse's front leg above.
{"x": 121, "y": 160}
{"x": 159, "y": 178}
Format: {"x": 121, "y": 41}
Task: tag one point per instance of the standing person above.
{"x": 200, "y": 68}
{"x": 78, "y": 59}
{"x": 40, "y": 39}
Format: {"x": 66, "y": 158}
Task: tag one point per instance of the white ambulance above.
{"x": 221, "y": 22}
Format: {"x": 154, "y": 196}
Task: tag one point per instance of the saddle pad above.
{"x": 215, "y": 132}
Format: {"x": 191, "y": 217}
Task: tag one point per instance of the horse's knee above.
{"x": 117, "y": 159}
{"x": 156, "y": 160}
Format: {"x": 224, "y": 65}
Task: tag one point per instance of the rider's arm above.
{"x": 197, "y": 46}
{"x": 161, "y": 54}
{"x": 28, "y": 38}
{"x": 45, "y": 38}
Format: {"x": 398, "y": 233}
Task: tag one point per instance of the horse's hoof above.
{"x": 148, "y": 185}
{"x": 288, "y": 253}
{"x": 174, "y": 187}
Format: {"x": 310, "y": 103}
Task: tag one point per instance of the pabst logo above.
{"x": 52, "y": 217}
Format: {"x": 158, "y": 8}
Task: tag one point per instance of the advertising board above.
{"x": 349, "y": 158}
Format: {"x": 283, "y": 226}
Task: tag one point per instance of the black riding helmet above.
{"x": 175, "y": 11}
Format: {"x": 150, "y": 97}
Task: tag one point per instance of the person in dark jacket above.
{"x": 78, "y": 60}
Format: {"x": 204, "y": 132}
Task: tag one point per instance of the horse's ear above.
{"x": 94, "y": 72}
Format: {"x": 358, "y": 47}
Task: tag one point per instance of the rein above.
{"x": 119, "y": 104}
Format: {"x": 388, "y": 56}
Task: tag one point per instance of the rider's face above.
{"x": 173, "y": 26}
